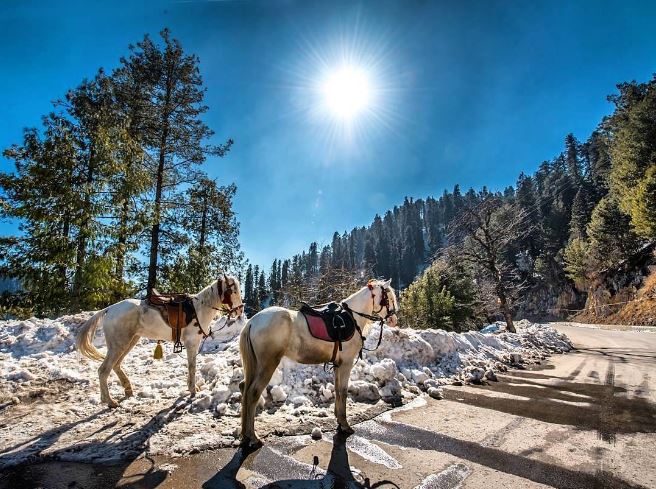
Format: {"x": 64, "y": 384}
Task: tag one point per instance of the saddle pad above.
{"x": 167, "y": 309}
{"x": 321, "y": 327}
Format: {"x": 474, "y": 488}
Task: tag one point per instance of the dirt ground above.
{"x": 585, "y": 419}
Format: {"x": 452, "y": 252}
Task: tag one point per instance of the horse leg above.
{"x": 342, "y": 374}
{"x": 125, "y": 382}
{"x": 191, "y": 345}
{"x": 103, "y": 373}
{"x": 252, "y": 392}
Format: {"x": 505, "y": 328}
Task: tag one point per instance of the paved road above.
{"x": 587, "y": 419}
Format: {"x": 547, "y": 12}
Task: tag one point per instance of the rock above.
{"x": 431, "y": 383}
{"x": 428, "y": 372}
{"x": 362, "y": 391}
{"x": 515, "y": 358}
{"x": 435, "y": 393}
{"x": 490, "y": 375}
{"x": 278, "y": 394}
{"x": 221, "y": 394}
{"x": 235, "y": 397}
{"x": 457, "y": 382}
{"x": 221, "y": 408}
{"x": 300, "y": 401}
{"x": 419, "y": 376}
{"x": 414, "y": 389}
{"x": 326, "y": 394}
{"x": 384, "y": 370}
{"x": 392, "y": 388}
{"x": 316, "y": 433}
{"x": 261, "y": 402}
{"x": 475, "y": 375}
{"x": 276, "y": 378}
{"x": 330, "y": 386}
{"x": 202, "y": 403}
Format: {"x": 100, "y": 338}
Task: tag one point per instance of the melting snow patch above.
{"x": 38, "y": 360}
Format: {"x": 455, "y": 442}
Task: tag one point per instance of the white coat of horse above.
{"x": 125, "y": 322}
{"x": 276, "y": 332}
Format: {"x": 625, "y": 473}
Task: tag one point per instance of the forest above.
{"x": 112, "y": 200}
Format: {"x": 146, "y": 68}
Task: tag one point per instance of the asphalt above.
{"x": 586, "y": 419}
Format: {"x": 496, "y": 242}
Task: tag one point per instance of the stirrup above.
{"x": 177, "y": 347}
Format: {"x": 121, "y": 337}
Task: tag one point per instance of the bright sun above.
{"x": 347, "y": 92}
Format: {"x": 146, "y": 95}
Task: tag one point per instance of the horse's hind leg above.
{"x": 125, "y": 382}
{"x": 103, "y": 373}
{"x": 342, "y": 374}
{"x": 251, "y": 395}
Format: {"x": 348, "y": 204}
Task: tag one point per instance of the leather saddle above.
{"x": 329, "y": 322}
{"x": 177, "y": 310}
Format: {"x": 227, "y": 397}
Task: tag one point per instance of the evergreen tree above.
{"x": 611, "y": 236}
{"x": 633, "y": 152}
{"x": 171, "y": 91}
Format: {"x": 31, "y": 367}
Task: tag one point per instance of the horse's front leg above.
{"x": 191, "y": 345}
{"x": 342, "y": 374}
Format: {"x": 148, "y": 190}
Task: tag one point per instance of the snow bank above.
{"x": 52, "y": 394}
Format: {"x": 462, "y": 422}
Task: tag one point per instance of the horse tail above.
{"x": 248, "y": 358}
{"x": 84, "y": 339}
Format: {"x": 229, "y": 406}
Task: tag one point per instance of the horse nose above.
{"x": 392, "y": 320}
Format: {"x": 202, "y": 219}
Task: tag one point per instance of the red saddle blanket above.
{"x": 329, "y": 324}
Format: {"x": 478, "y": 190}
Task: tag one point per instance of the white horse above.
{"x": 277, "y": 332}
{"x": 125, "y": 322}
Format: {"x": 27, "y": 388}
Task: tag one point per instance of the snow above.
{"x": 51, "y": 393}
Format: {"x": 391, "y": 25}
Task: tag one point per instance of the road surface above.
{"x": 585, "y": 419}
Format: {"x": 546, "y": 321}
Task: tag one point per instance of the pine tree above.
{"x": 633, "y": 151}
{"x": 171, "y": 91}
{"x": 611, "y": 237}
{"x": 262, "y": 292}
{"x": 249, "y": 288}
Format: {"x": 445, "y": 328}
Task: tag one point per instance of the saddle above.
{"x": 329, "y": 322}
{"x": 177, "y": 310}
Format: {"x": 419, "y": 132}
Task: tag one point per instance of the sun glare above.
{"x": 347, "y": 92}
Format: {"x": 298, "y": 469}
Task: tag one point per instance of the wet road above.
{"x": 587, "y": 419}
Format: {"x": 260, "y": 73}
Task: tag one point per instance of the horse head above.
{"x": 230, "y": 294}
{"x": 384, "y": 299}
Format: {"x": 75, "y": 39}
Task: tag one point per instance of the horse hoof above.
{"x": 112, "y": 404}
{"x": 128, "y": 394}
{"x": 249, "y": 444}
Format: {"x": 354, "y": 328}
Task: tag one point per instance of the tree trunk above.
{"x": 83, "y": 235}
{"x": 505, "y": 309}
{"x": 154, "y": 232}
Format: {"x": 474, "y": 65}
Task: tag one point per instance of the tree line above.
{"x": 465, "y": 259}
{"x": 109, "y": 193}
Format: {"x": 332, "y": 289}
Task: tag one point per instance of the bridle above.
{"x": 384, "y": 303}
{"x": 376, "y": 316}
{"x": 233, "y": 312}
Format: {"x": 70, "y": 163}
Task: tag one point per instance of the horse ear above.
{"x": 370, "y": 284}
{"x": 387, "y": 283}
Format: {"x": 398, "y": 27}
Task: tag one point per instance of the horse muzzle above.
{"x": 392, "y": 321}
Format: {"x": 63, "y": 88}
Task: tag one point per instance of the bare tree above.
{"x": 331, "y": 284}
{"x": 487, "y": 233}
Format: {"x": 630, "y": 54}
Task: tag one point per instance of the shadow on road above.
{"x": 603, "y": 407}
{"x": 51, "y": 473}
{"x": 270, "y": 464}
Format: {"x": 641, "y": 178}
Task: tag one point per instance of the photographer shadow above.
{"x": 268, "y": 463}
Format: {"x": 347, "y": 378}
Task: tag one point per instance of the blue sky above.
{"x": 464, "y": 92}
